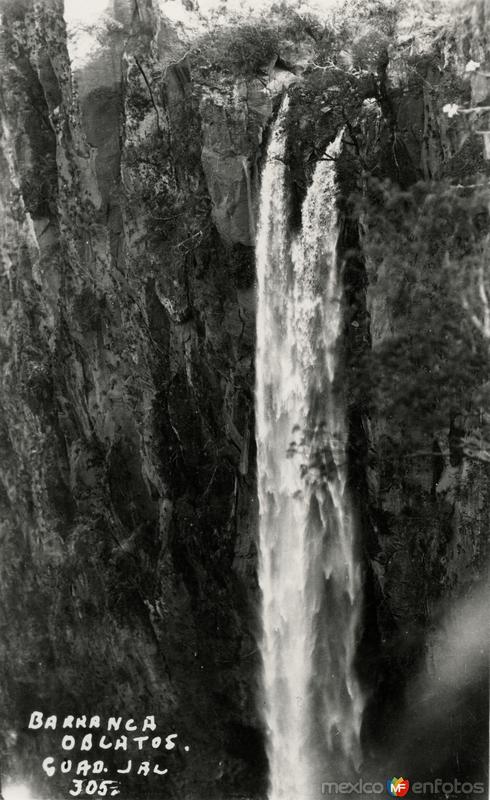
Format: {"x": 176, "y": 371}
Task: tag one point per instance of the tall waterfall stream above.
{"x": 309, "y": 570}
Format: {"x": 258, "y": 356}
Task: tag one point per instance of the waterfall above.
{"x": 309, "y": 569}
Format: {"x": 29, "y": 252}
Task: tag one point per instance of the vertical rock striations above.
{"x": 127, "y": 471}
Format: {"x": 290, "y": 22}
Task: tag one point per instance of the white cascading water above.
{"x": 309, "y": 570}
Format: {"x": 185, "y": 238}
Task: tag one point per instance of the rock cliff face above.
{"x": 128, "y": 334}
{"x": 421, "y": 483}
{"x": 130, "y": 187}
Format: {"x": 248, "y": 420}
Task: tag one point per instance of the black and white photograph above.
{"x": 244, "y": 399}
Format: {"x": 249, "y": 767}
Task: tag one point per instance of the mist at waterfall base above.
{"x": 309, "y": 569}
{"x": 309, "y": 555}
{"x": 442, "y": 730}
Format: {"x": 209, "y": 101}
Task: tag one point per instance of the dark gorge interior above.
{"x": 128, "y": 484}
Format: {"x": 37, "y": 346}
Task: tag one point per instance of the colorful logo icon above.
{"x": 398, "y": 787}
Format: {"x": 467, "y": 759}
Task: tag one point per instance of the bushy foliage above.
{"x": 242, "y": 48}
{"x": 424, "y": 251}
{"x": 363, "y": 31}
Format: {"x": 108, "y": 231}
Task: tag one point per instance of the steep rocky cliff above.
{"x": 423, "y": 440}
{"x": 127, "y": 329}
{"x": 129, "y": 190}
